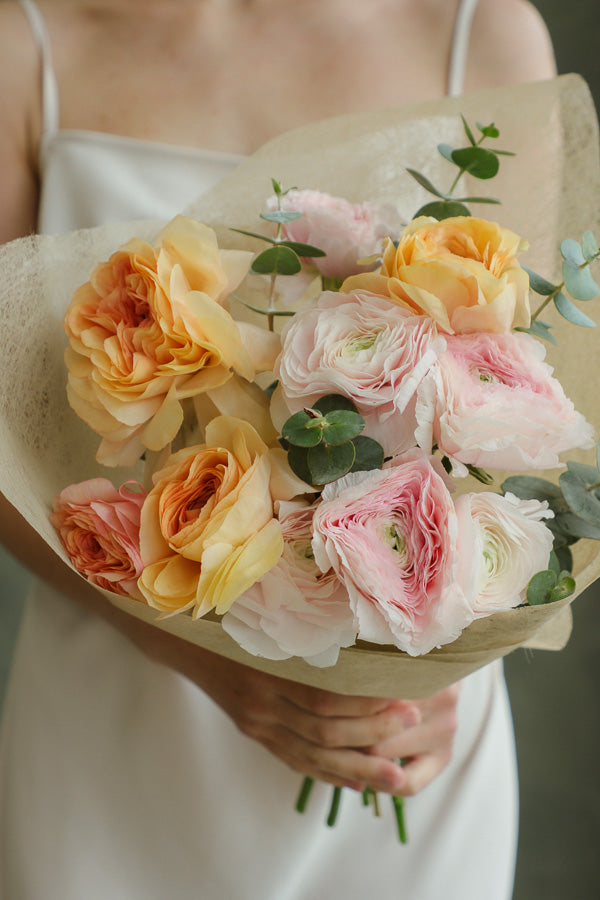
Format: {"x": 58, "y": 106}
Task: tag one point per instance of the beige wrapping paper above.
{"x": 548, "y": 192}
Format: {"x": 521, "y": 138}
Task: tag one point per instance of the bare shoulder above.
{"x": 20, "y": 102}
{"x": 510, "y": 43}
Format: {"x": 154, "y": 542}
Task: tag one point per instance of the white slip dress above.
{"x": 120, "y": 779}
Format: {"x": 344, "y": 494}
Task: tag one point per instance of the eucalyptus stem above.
{"x": 335, "y": 806}
{"x": 307, "y": 786}
{"x": 548, "y": 300}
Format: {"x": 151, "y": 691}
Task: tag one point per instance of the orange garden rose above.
{"x": 462, "y": 272}
{"x": 149, "y": 330}
{"x": 208, "y": 531}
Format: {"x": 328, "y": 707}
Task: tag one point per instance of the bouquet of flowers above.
{"x": 310, "y": 502}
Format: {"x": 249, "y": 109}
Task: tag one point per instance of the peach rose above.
{"x": 99, "y": 526}
{"x": 207, "y": 530}
{"x": 463, "y": 272}
{"x": 149, "y": 330}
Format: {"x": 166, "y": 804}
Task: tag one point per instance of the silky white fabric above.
{"x": 121, "y": 779}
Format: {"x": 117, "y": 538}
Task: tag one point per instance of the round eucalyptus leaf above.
{"x": 571, "y": 252}
{"x": 446, "y": 150}
{"x": 341, "y": 425}
{"x": 540, "y": 330}
{"x": 327, "y": 464}
{"x": 277, "y": 260}
{"x": 565, "y": 558}
{"x": 329, "y": 402}
{"x": 443, "y": 209}
{"x": 539, "y": 589}
{"x": 489, "y": 131}
{"x": 564, "y": 588}
{"x": 477, "y": 161}
{"x": 295, "y": 430}
{"x": 368, "y": 454}
{"x": 577, "y": 527}
{"x": 581, "y": 488}
{"x": 528, "y": 487}
{"x": 589, "y": 246}
{"x": 298, "y": 463}
{"x": 579, "y": 281}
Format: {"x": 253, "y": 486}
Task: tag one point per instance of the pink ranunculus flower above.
{"x": 391, "y": 536}
{"x": 347, "y": 232}
{"x": 99, "y": 527}
{"x": 503, "y": 542}
{"x": 295, "y": 609}
{"x": 491, "y": 401}
{"x": 364, "y": 347}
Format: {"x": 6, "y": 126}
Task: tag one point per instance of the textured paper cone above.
{"x": 550, "y": 191}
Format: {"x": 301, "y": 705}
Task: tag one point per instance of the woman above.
{"x": 127, "y": 779}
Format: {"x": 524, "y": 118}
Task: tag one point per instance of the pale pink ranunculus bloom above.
{"x": 491, "y": 401}
{"x": 502, "y": 542}
{"x": 364, "y": 347}
{"x": 99, "y": 527}
{"x": 391, "y": 536}
{"x": 347, "y": 232}
{"x": 295, "y": 609}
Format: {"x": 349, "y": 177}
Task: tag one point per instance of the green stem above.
{"x": 335, "y": 806}
{"x": 548, "y": 300}
{"x": 398, "y": 803}
{"x": 307, "y": 786}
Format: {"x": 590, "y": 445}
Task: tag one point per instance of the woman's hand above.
{"x": 346, "y": 741}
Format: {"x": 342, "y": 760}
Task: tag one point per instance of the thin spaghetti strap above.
{"x": 459, "y": 49}
{"x": 50, "y": 99}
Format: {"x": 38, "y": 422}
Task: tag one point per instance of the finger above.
{"x": 328, "y": 703}
{"x": 420, "y": 771}
{"x": 356, "y": 732}
{"x": 342, "y": 767}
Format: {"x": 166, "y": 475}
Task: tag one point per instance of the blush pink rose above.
{"x": 364, "y": 347}
{"x": 503, "y": 542}
{"x": 347, "y": 232}
{"x": 295, "y": 609}
{"x": 491, "y": 401}
{"x": 391, "y": 537}
{"x": 99, "y": 527}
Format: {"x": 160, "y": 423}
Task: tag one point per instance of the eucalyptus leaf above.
{"x": 565, "y": 558}
{"x": 478, "y": 200}
{"x": 281, "y": 216}
{"x": 570, "y": 312}
{"x": 528, "y": 487}
{"x": 298, "y": 463}
{"x": 276, "y": 186}
{"x": 504, "y": 152}
{"x": 477, "y": 161}
{"x": 480, "y": 474}
{"x": 295, "y": 430}
{"x": 489, "y": 131}
{"x": 446, "y": 150}
{"x": 327, "y": 464}
{"x": 426, "y": 183}
{"x": 589, "y": 246}
{"x": 540, "y": 285}
{"x": 302, "y": 249}
{"x": 578, "y": 527}
{"x": 330, "y": 402}
{"x": 540, "y": 330}
{"x": 255, "y": 234}
{"x": 581, "y": 488}
{"x": 564, "y": 588}
{"x": 264, "y": 312}
{"x": 468, "y": 131}
{"x": 572, "y": 252}
{"x": 342, "y": 425}
{"x": 579, "y": 281}
{"x": 277, "y": 261}
{"x": 443, "y": 209}
{"x": 368, "y": 454}
{"x": 539, "y": 589}
{"x": 554, "y": 564}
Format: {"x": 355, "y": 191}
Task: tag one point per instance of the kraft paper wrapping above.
{"x": 548, "y": 192}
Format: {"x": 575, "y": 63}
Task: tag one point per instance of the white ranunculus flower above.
{"x": 502, "y": 543}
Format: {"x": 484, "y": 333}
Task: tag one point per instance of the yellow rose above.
{"x": 149, "y": 330}
{"x": 462, "y": 272}
{"x": 207, "y": 528}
